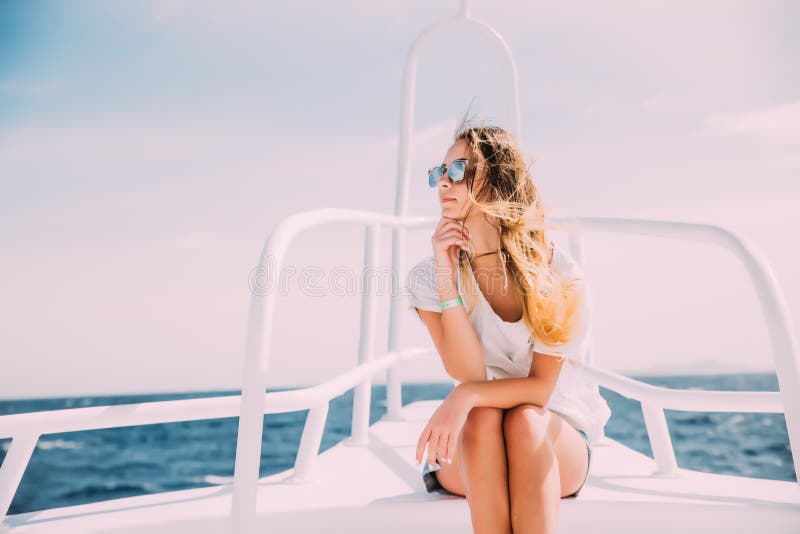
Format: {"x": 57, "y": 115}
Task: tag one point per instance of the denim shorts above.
{"x": 432, "y": 483}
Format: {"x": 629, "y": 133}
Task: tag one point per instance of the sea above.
{"x": 94, "y": 465}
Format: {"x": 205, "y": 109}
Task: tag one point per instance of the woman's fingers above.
{"x": 446, "y": 225}
{"x": 453, "y": 225}
{"x": 441, "y": 447}
{"x": 441, "y": 450}
{"x": 445, "y": 234}
{"x": 423, "y": 439}
{"x": 450, "y": 450}
{"x": 433, "y": 447}
{"x": 451, "y": 238}
{"x": 460, "y": 243}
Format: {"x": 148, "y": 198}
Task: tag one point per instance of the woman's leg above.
{"x": 547, "y": 460}
{"x": 479, "y": 470}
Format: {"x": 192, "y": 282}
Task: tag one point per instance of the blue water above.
{"x": 80, "y": 467}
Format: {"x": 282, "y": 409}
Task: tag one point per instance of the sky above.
{"x": 148, "y": 149}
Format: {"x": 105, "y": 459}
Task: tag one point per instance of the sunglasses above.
{"x": 455, "y": 171}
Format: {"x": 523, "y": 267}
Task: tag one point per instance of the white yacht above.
{"x": 370, "y": 482}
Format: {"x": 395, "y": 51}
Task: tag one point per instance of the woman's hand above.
{"x": 444, "y": 427}
{"x": 448, "y": 238}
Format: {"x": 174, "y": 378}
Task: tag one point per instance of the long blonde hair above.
{"x": 549, "y": 302}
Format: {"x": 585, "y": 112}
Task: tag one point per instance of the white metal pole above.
{"x": 13, "y": 467}
{"x": 366, "y": 341}
{"x": 254, "y": 381}
{"x": 660, "y": 442}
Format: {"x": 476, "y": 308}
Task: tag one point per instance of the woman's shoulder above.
{"x": 424, "y": 264}
{"x": 420, "y": 285}
{"x": 422, "y": 270}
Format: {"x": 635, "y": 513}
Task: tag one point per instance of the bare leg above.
{"x": 547, "y": 460}
{"x": 479, "y": 470}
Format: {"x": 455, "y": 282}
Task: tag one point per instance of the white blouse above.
{"x": 508, "y": 347}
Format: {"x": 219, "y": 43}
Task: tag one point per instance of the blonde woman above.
{"x": 509, "y": 313}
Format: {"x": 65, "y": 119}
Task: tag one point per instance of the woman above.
{"x": 505, "y": 308}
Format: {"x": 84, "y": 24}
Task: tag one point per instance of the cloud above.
{"x": 198, "y": 239}
{"x": 778, "y": 125}
{"x": 654, "y": 101}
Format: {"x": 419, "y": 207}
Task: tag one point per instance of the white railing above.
{"x": 655, "y": 399}
{"x": 26, "y": 428}
{"x": 258, "y": 350}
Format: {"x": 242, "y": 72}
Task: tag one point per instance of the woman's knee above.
{"x": 526, "y": 421}
{"x": 482, "y": 421}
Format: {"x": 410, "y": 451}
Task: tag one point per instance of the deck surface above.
{"x": 378, "y": 487}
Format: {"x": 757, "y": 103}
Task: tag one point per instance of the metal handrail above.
{"x": 654, "y": 399}
{"x": 776, "y": 314}
{"x": 258, "y": 345}
{"x": 687, "y": 399}
{"x": 26, "y": 428}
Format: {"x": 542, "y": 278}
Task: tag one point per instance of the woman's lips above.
{"x": 443, "y": 200}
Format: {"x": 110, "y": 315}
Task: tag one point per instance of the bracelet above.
{"x": 450, "y": 303}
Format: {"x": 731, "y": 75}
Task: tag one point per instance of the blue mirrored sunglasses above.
{"x": 455, "y": 171}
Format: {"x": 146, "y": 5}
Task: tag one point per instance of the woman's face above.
{"x": 453, "y": 197}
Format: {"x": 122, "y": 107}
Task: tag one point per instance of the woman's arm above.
{"x": 452, "y": 333}
{"x": 535, "y": 388}
{"x": 455, "y": 339}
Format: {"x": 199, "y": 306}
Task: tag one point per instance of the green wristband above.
{"x": 452, "y": 302}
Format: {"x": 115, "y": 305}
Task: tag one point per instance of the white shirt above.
{"x": 508, "y": 350}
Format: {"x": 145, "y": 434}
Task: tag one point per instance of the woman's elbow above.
{"x": 468, "y": 375}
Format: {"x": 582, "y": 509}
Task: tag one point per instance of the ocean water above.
{"x": 80, "y": 467}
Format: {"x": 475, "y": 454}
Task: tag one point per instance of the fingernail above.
{"x": 449, "y": 461}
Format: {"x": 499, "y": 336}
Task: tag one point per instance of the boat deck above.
{"x": 378, "y": 487}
